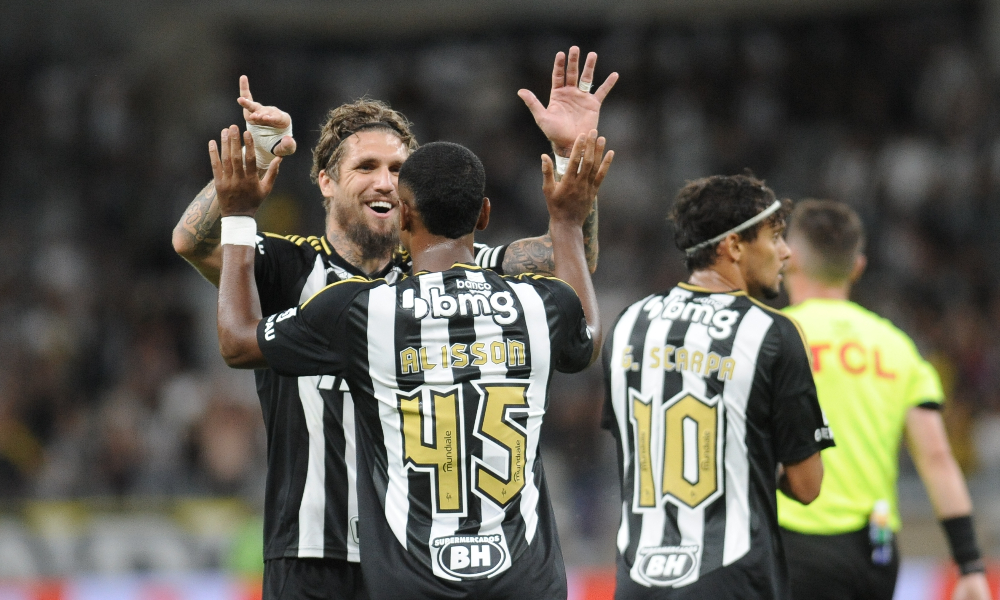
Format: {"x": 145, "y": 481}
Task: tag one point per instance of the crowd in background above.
{"x": 111, "y": 384}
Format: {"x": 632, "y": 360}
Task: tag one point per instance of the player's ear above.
{"x": 484, "y": 215}
{"x": 325, "y": 184}
{"x": 860, "y": 262}
{"x": 405, "y": 217}
{"x": 731, "y": 247}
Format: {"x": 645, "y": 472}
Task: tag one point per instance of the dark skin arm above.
{"x": 240, "y": 193}
{"x": 567, "y": 214}
{"x": 801, "y": 481}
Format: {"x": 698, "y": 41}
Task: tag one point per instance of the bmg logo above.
{"x": 667, "y": 566}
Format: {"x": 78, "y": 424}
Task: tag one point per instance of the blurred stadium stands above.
{"x": 119, "y": 423}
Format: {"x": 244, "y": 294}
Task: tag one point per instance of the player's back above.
{"x": 707, "y": 391}
{"x": 450, "y": 374}
{"x": 868, "y": 373}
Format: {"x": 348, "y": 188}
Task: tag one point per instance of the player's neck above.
{"x": 436, "y": 253}
{"x": 350, "y": 252}
{"x": 802, "y": 288}
{"x": 719, "y": 278}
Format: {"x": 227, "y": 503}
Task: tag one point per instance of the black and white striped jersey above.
{"x": 310, "y": 505}
{"x": 706, "y": 394}
{"x": 449, "y": 372}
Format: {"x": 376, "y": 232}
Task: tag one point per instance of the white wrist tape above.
{"x": 265, "y": 140}
{"x": 562, "y": 163}
{"x": 240, "y": 231}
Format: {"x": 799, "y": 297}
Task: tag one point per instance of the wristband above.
{"x": 239, "y": 231}
{"x": 265, "y": 140}
{"x": 962, "y": 540}
{"x": 562, "y": 163}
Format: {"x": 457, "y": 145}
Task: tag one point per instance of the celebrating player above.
{"x": 449, "y": 369}
{"x": 871, "y": 382}
{"x": 709, "y": 392}
{"x": 311, "y": 506}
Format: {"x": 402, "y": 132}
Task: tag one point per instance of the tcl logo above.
{"x": 853, "y": 357}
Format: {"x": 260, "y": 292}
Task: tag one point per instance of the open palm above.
{"x": 571, "y": 110}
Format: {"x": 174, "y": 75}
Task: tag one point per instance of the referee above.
{"x": 872, "y": 382}
{"x": 450, "y": 369}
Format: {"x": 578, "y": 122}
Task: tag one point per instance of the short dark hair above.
{"x": 347, "y": 119}
{"x": 448, "y": 184}
{"x": 709, "y": 206}
{"x": 834, "y": 235}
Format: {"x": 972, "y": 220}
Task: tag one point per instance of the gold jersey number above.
{"x": 432, "y": 424}
{"x": 683, "y": 441}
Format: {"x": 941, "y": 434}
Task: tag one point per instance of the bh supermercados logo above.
{"x": 667, "y": 566}
{"x": 470, "y": 556}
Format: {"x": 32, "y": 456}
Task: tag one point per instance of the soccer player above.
{"x": 311, "y": 507}
{"x": 709, "y": 396}
{"x": 871, "y": 382}
{"x": 449, "y": 369}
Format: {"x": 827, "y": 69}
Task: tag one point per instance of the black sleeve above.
{"x": 608, "y": 420}
{"x": 800, "y": 429}
{"x": 310, "y": 339}
{"x": 573, "y": 345}
{"x": 279, "y": 270}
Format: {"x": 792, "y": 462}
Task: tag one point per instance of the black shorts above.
{"x": 753, "y": 577}
{"x": 313, "y": 579}
{"x": 393, "y": 573}
{"x": 838, "y": 567}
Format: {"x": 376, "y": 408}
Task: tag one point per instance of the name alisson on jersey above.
{"x": 416, "y": 359}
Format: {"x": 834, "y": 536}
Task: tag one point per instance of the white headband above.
{"x": 767, "y": 212}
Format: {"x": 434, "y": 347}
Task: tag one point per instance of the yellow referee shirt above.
{"x": 868, "y": 374}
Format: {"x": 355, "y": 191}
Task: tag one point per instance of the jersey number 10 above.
{"x": 681, "y": 441}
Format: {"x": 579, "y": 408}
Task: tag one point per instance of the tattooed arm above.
{"x": 534, "y": 255}
{"x": 197, "y": 235}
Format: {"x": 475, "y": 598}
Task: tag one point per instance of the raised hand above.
{"x": 571, "y": 199}
{"x": 256, "y": 113}
{"x": 571, "y": 111}
{"x": 239, "y": 189}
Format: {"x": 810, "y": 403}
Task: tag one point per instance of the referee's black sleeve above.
{"x": 799, "y": 427}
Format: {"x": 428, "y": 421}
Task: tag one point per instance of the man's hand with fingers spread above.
{"x": 239, "y": 189}
{"x": 271, "y": 127}
{"x": 572, "y": 109}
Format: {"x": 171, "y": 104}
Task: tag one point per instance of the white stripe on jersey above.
{"x": 746, "y": 347}
{"x": 653, "y": 518}
{"x": 539, "y": 348}
{"x": 494, "y": 458}
{"x": 434, "y": 334}
{"x": 350, "y": 458}
{"x": 691, "y": 521}
{"x": 382, "y": 351}
{"x": 312, "y": 510}
{"x": 486, "y": 257}
{"x": 619, "y": 399}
